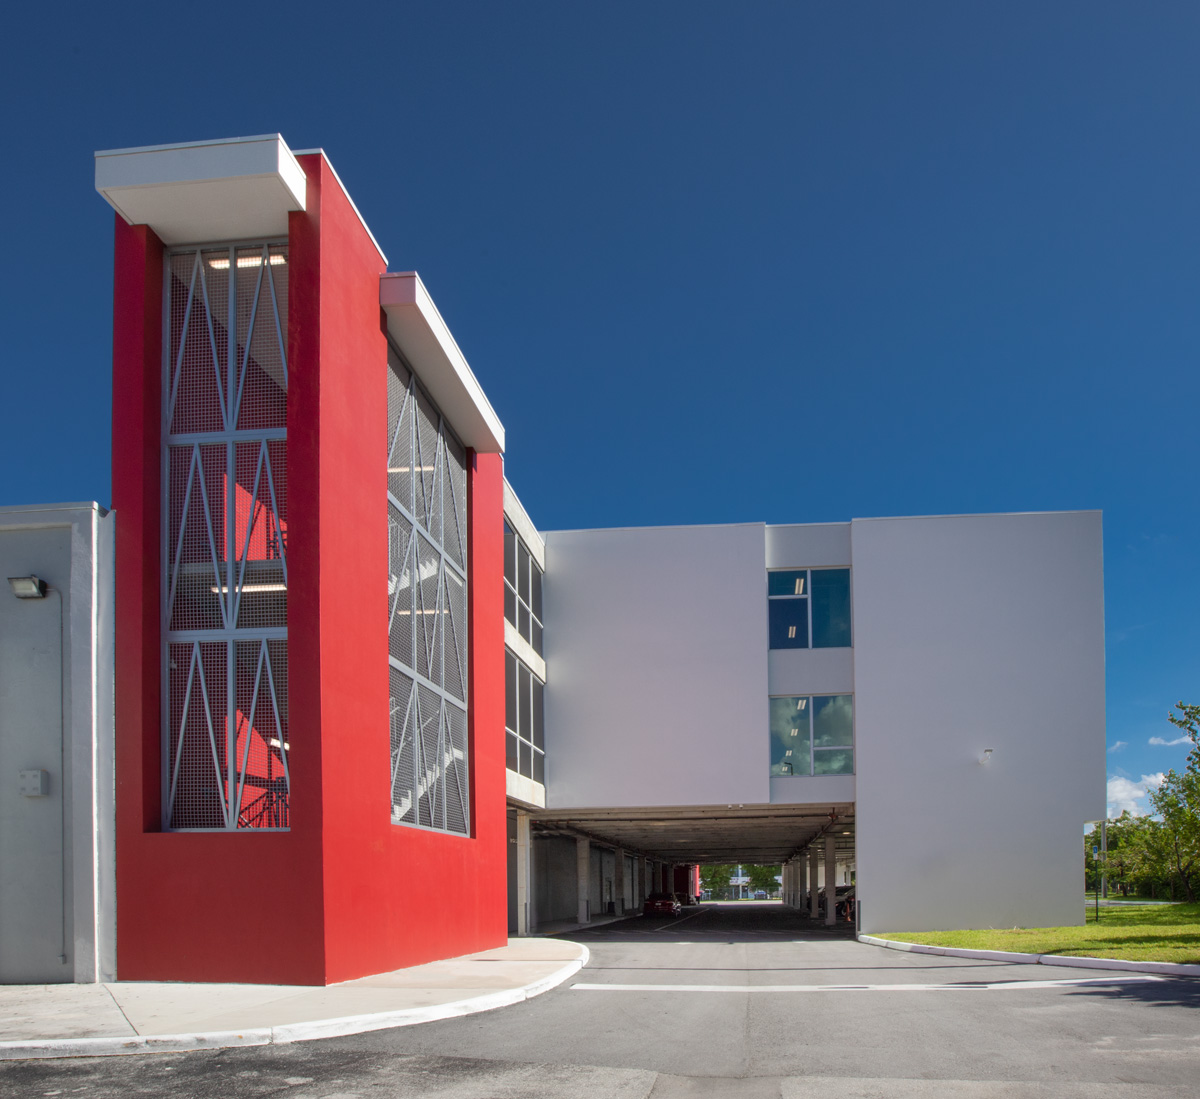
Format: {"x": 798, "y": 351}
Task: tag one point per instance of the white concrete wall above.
{"x": 975, "y": 632}
{"x": 57, "y": 899}
{"x": 656, "y": 642}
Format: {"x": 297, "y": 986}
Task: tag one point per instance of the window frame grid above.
{"x": 518, "y": 602}
{"x": 418, "y": 528}
{"x": 535, "y": 682}
{"x": 808, "y": 595}
{"x": 813, "y": 749}
{"x": 230, "y": 436}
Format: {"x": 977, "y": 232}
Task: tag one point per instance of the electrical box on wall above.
{"x": 34, "y": 784}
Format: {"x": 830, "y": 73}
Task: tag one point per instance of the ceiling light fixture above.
{"x": 221, "y": 263}
{"x": 987, "y": 756}
{"x": 251, "y": 587}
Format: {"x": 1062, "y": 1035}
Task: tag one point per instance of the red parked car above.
{"x": 661, "y": 904}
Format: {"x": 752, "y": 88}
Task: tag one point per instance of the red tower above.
{"x": 309, "y": 560}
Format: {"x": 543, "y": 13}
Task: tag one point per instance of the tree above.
{"x": 716, "y": 878}
{"x": 1177, "y": 801}
{"x": 762, "y": 877}
{"x": 1159, "y": 853}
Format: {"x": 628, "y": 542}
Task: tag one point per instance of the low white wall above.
{"x": 976, "y": 632}
{"x": 656, "y": 644}
{"x": 57, "y": 895}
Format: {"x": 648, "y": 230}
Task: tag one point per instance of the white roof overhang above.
{"x": 239, "y": 188}
{"x": 417, "y": 328}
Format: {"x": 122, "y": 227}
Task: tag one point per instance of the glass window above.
{"x": 833, "y": 763}
{"x": 790, "y": 736}
{"x": 525, "y": 716}
{"x": 522, "y": 572}
{"x": 510, "y": 690}
{"x": 790, "y": 592}
{"x": 788, "y": 583}
{"x": 812, "y": 735}
{"x": 830, "y": 608}
{"x": 833, "y": 721}
{"x": 535, "y": 604}
{"x": 539, "y": 711}
{"x": 788, "y": 623}
{"x": 510, "y": 555}
{"x": 524, "y": 719}
{"x": 522, "y": 590}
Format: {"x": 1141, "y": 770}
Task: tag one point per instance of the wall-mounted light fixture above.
{"x": 27, "y": 587}
{"x": 987, "y": 756}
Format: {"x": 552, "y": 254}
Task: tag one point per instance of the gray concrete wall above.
{"x": 976, "y": 632}
{"x": 656, "y": 638}
{"x": 57, "y": 895}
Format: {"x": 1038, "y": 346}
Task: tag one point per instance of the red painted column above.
{"x": 393, "y": 895}
{"x": 136, "y": 499}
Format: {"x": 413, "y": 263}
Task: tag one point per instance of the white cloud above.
{"x": 1124, "y": 793}
{"x": 1170, "y": 743}
{"x": 1116, "y": 746}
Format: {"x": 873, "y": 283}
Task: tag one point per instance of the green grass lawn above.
{"x": 1161, "y": 933}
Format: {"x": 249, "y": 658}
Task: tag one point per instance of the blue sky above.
{"x": 776, "y": 261}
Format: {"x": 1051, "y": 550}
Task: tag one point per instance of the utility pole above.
{"x": 1104, "y": 859}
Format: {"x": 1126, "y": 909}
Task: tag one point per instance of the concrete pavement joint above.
{"x": 290, "y": 1032}
{"x": 1168, "y": 969}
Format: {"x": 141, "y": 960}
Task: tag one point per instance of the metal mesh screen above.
{"x": 404, "y": 754}
{"x": 226, "y": 758}
{"x": 427, "y": 608}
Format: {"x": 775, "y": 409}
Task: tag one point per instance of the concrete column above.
{"x": 525, "y": 917}
{"x": 583, "y": 877}
{"x": 830, "y": 880}
{"x": 643, "y": 878}
{"x": 619, "y": 882}
{"x": 813, "y": 856}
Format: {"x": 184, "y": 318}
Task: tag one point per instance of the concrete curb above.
{"x": 290, "y": 1032}
{"x": 1169, "y": 969}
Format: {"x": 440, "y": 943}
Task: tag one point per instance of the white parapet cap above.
{"x": 417, "y": 328}
{"x": 238, "y": 188}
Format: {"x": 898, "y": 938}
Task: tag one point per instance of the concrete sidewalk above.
{"x": 70, "y": 1020}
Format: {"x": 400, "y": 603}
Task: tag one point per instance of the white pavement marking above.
{"x": 981, "y": 986}
{"x": 675, "y": 923}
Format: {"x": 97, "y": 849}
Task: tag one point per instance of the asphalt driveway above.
{"x": 730, "y": 1000}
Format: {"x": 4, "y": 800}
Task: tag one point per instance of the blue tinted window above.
{"x": 790, "y": 753}
{"x": 788, "y": 583}
{"x": 788, "y": 620}
{"x": 840, "y": 762}
{"x": 830, "y": 608}
{"x": 833, "y": 721}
